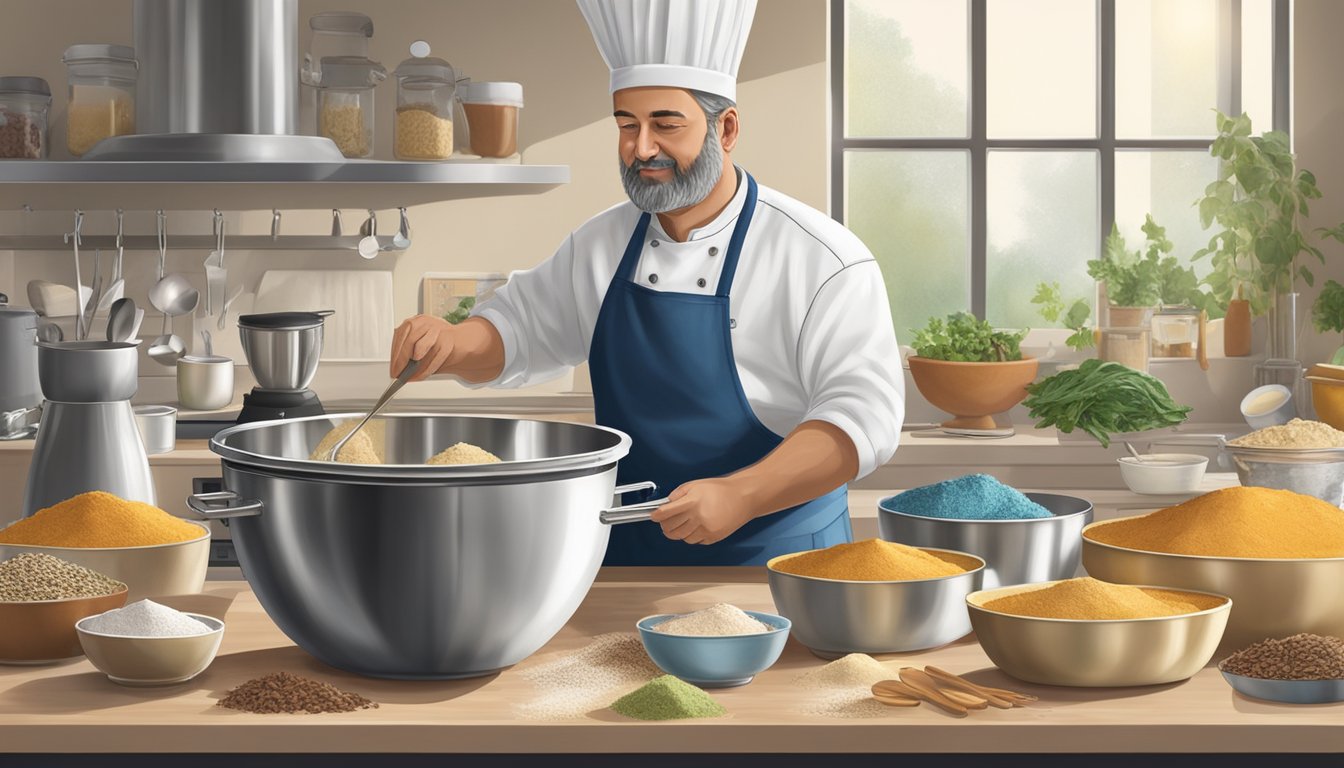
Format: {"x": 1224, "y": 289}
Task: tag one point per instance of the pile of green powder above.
{"x": 667, "y": 698}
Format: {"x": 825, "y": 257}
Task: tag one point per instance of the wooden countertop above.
{"x": 73, "y": 708}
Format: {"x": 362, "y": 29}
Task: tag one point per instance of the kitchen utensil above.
{"x": 275, "y": 223}
{"x": 1014, "y": 551}
{"x": 894, "y": 693}
{"x": 173, "y": 294}
{"x": 360, "y": 331}
{"x": 1268, "y": 406}
{"x": 715, "y": 662}
{"x": 1164, "y": 473}
{"x": 209, "y": 347}
{"x": 50, "y": 332}
{"x": 336, "y": 222}
{"x": 833, "y": 618}
{"x": 151, "y": 661}
{"x": 116, "y": 287}
{"x": 1202, "y": 341}
{"x": 121, "y": 320}
{"x": 922, "y": 685}
{"x": 95, "y": 295}
{"x": 1014, "y": 698}
{"x": 148, "y": 572}
{"x": 402, "y": 240}
{"x": 214, "y": 263}
{"x": 228, "y": 303}
{"x": 392, "y": 389}
{"x": 168, "y": 348}
{"x": 283, "y": 348}
{"x": 368, "y": 243}
{"x": 1105, "y": 653}
{"x": 1133, "y": 452}
{"x": 157, "y": 425}
{"x": 73, "y": 239}
{"x": 204, "y": 383}
{"x": 1315, "y": 472}
{"x": 135, "y": 324}
{"x": 43, "y": 631}
{"x": 1286, "y": 691}
{"x": 19, "y": 387}
{"x": 1257, "y": 586}
{"x": 368, "y": 595}
{"x": 88, "y": 440}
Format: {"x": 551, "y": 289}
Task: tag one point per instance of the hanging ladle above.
{"x": 172, "y": 294}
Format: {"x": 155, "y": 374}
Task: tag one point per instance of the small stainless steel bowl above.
{"x": 158, "y": 427}
{"x": 1014, "y": 551}
{"x": 1275, "y": 597}
{"x": 1103, "y": 653}
{"x": 282, "y": 359}
{"x": 88, "y": 371}
{"x": 1315, "y": 472}
{"x": 1286, "y": 691}
{"x": 833, "y": 618}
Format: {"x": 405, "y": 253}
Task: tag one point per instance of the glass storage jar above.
{"x": 335, "y": 33}
{"x": 1176, "y": 332}
{"x": 24, "y": 104}
{"x": 492, "y": 115}
{"x": 345, "y": 103}
{"x": 102, "y": 94}
{"x": 425, "y": 90}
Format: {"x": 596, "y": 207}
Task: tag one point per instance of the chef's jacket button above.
{"x": 654, "y": 243}
{"x": 700, "y": 282}
{"x": 732, "y": 323}
{"x": 713, "y": 250}
{"x": 653, "y": 278}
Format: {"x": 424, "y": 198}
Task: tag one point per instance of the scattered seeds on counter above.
{"x": 38, "y": 576}
{"x": 288, "y": 693}
{"x": 1087, "y": 599}
{"x": 1299, "y": 657}
{"x": 971, "y": 497}
{"x": 718, "y": 620}
{"x": 868, "y": 560}
{"x": 1298, "y": 433}
{"x": 1235, "y": 522}
{"x": 667, "y": 698}
{"x": 146, "y": 618}
{"x": 99, "y": 519}
{"x": 843, "y": 688}
{"x": 578, "y": 682}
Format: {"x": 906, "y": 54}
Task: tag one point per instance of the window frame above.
{"x": 978, "y": 144}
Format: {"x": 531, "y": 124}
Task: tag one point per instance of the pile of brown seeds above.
{"x": 1300, "y": 657}
{"x": 287, "y": 693}
{"x": 36, "y": 576}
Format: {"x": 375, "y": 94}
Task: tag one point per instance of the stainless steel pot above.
{"x": 88, "y": 371}
{"x": 18, "y": 360}
{"x": 405, "y": 570}
{"x": 283, "y": 348}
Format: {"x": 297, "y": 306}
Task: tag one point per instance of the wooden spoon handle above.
{"x": 895, "y": 689}
{"x": 918, "y": 677}
{"x": 947, "y": 681}
{"x": 933, "y": 695}
{"x": 981, "y": 689}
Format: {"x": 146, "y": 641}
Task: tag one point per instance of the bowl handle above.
{"x": 631, "y": 513}
{"x": 222, "y": 505}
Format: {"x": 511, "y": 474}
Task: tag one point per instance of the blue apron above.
{"x": 663, "y": 372}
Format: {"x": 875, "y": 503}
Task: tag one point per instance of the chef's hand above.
{"x": 423, "y": 337}
{"x": 703, "y": 511}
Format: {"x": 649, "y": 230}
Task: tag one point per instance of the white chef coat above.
{"x": 812, "y": 334}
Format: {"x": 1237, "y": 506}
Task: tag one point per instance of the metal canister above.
{"x": 19, "y": 389}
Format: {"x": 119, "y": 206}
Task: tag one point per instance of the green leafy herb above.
{"x": 1103, "y": 399}
{"x": 1050, "y": 299}
{"x": 463, "y": 310}
{"x": 965, "y": 339}
{"x": 1132, "y": 278}
{"x": 1327, "y": 314}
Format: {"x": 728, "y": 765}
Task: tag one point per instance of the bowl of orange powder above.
{"x": 1279, "y": 555}
{"x": 151, "y": 551}
{"x": 1090, "y": 633}
{"x": 874, "y": 596}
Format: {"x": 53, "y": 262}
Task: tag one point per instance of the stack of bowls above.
{"x": 834, "y": 618}
{"x": 1097, "y": 653}
{"x": 1014, "y": 551}
{"x": 43, "y": 631}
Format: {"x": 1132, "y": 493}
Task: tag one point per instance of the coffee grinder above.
{"x": 282, "y": 349}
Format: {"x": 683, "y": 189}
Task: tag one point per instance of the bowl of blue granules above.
{"x": 1024, "y": 538}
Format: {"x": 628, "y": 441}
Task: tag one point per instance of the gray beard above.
{"x": 686, "y": 188}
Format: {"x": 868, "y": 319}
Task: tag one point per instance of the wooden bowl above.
{"x": 972, "y": 392}
{"x": 43, "y": 631}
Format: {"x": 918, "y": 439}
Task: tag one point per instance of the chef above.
{"x": 742, "y": 339}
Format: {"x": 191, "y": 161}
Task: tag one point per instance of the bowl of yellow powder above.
{"x": 152, "y": 552}
{"x": 1279, "y": 555}
{"x": 874, "y": 596}
{"x": 1089, "y": 633}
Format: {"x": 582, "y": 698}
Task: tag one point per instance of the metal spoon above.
{"x": 402, "y": 240}
{"x": 168, "y": 348}
{"x": 1134, "y": 453}
{"x": 392, "y": 389}
{"x": 121, "y": 320}
{"x": 368, "y": 243}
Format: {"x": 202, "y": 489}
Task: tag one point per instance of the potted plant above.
{"x": 1074, "y": 316}
{"x": 1327, "y": 314}
{"x": 967, "y": 368}
{"x": 1132, "y": 279}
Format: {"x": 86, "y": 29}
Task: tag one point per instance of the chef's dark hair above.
{"x": 713, "y": 106}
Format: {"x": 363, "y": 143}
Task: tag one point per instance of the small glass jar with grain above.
{"x": 426, "y": 87}
{"x": 345, "y": 103}
{"x": 102, "y": 94}
{"x": 24, "y": 104}
{"x": 492, "y": 116}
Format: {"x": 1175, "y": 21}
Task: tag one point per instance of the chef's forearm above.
{"x": 813, "y": 460}
{"x": 478, "y": 351}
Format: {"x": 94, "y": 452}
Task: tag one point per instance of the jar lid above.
{"x": 493, "y": 93}
{"x": 34, "y": 86}
{"x": 284, "y": 321}
{"x": 100, "y": 52}
{"x": 425, "y": 69}
{"x": 351, "y": 72}
{"x": 341, "y": 23}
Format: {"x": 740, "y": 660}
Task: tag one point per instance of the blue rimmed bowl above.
{"x": 721, "y": 661}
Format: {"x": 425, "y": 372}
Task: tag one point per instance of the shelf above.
{"x": 239, "y": 186}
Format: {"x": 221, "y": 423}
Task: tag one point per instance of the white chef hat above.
{"x": 693, "y": 44}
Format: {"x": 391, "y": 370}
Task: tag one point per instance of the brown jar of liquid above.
{"x": 492, "y": 117}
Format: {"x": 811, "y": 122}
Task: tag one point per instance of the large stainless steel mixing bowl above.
{"x": 1015, "y": 551}
{"x": 1104, "y": 653}
{"x": 833, "y": 618}
{"x": 411, "y": 571}
{"x": 1272, "y": 597}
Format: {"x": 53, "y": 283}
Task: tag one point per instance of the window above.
{"x": 981, "y": 147}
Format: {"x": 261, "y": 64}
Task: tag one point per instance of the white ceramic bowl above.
{"x": 1279, "y": 414}
{"x": 149, "y": 661}
{"x": 1163, "y": 473}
